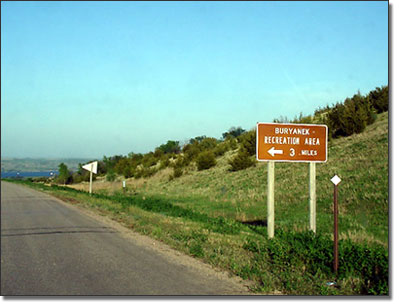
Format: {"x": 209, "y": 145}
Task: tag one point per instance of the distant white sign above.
{"x": 91, "y": 167}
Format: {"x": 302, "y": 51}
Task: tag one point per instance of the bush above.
{"x": 83, "y": 176}
{"x": 77, "y": 178}
{"x": 149, "y": 160}
{"x": 221, "y": 148}
{"x": 205, "y": 160}
{"x": 248, "y": 142}
{"x": 350, "y": 117}
{"x": 232, "y": 143}
{"x": 138, "y": 172}
{"x": 241, "y": 161}
{"x": 170, "y": 147}
{"x": 165, "y": 162}
{"x": 64, "y": 175}
{"x": 191, "y": 150}
{"x": 379, "y": 99}
{"x": 233, "y": 132}
{"x": 125, "y": 166}
{"x": 180, "y": 162}
{"x": 148, "y": 172}
{"x": 208, "y": 143}
{"x": 38, "y": 179}
{"x": 111, "y": 176}
{"x": 128, "y": 172}
{"x": 177, "y": 172}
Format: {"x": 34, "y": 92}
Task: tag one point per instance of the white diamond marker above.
{"x": 336, "y": 180}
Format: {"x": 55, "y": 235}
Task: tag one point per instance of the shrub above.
{"x": 83, "y": 176}
{"x": 178, "y": 167}
{"x": 248, "y": 142}
{"x": 379, "y": 99}
{"x": 111, "y": 176}
{"x": 64, "y": 175}
{"x": 170, "y": 147}
{"x": 125, "y": 167}
{"x": 208, "y": 143}
{"x": 177, "y": 172}
{"x": 233, "y": 132}
{"x": 165, "y": 162}
{"x": 221, "y": 148}
{"x": 241, "y": 161}
{"x": 232, "y": 143}
{"x": 138, "y": 172}
{"x": 205, "y": 160}
{"x": 303, "y": 119}
{"x": 38, "y": 179}
{"x": 191, "y": 150}
{"x": 180, "y": 162}
{"x": 148, "y": 172}
{"x": 128, "y": 172}
{"x": 77, "y": 178}
{"x": 149, "y": 160}
{"x": 350, "y": 117}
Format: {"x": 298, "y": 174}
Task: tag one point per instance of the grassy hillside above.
{"x": 219, "y": 216}
{"x": 360, "y": 160}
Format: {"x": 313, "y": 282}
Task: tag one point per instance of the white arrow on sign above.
{"x": 91, "y": 167}
{"x": 272, "y": 151}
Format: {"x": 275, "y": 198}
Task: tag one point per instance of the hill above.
{"x": 38, "y": 164}
{"x": 361, "y": 160}
{"x": 219, "y": 217}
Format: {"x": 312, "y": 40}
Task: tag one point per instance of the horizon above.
{"x": 101, "y": 79}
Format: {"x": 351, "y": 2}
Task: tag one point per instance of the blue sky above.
{"x": 87, "y": 79}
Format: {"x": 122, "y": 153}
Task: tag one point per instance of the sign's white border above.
{"x": 293, "y": 161}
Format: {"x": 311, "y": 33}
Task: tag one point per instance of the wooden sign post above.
{"x": 313, "y": 198}
{"x": 276, "y": 142}
{"x": 270, "y": 202}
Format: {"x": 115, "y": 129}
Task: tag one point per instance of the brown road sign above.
{"x": 292, "y": 142}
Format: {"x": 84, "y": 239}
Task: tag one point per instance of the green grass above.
{"x": 212, "y": 215}
{"x": 360, "y": 160}
{"x": 291, "y": 263}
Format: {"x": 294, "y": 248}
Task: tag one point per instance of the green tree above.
{"x": 170, "y": 147}
{"x": 197, "y": 139}
{"x": 233, "y": 132}
{"x": 350, "y": 117}
{"x": 379, "y": 99}
{"x": 64, "y": 176}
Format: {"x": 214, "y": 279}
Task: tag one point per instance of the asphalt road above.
{"x": 48, "y": 248}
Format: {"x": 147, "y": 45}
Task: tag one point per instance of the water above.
{"x": 21, "y": 174}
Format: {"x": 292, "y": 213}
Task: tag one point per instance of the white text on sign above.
{"x": 291, "y": 142}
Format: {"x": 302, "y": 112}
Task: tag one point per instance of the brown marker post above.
{"x": 335, "y": 180}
